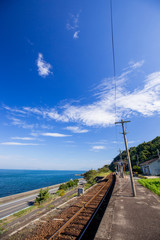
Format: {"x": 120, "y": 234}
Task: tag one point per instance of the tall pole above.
{"x": 128, "y": 155}
{"x": 121, "y": 167}
{"x": 137, "y": 159}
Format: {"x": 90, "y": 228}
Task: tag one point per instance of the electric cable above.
{"x": 114, "y": 70}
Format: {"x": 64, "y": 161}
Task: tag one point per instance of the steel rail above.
{"x": 75, "y": 215}
{"x": 91, "y": 219}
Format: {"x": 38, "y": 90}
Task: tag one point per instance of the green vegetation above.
{"x": 91, "y": 175}
{"x": 23, "y": 212}
{"x": 60, "y": 192}
{"x": 145, "y": 151}
{"x": 137, "y": 169}
{"x": 43, "y": 196}
{"x": 3, "y": 223}
{"x": 152, "y": 184}
{"x": 141, "y": 176}
{"x": 50, "y": 206}
{"x": 69, "y": 184}
{"x": 72, "y": 196}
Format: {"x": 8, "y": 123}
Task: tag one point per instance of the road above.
{"x": 22, "y": 203}
{"x": 17, "y": 205}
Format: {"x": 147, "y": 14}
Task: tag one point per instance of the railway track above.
{"x": 72, "y": 223}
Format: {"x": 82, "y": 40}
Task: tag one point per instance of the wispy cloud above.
{"x": 54, "y": 135}
{"x": 29, "y": 42}
{"x": 20, "y": 123}
{"x": 23, "y": 138}
{"x": 97, "y": 148}
{"x": 75, "y": 35}
{"x": 73, "y": 25}
{"x": 144, "y": 101}
{"x": 69, "y": 141}
{"x": 19, "y": 144}
{"x": 44, "y": 68}
{"x": 135, "y": 65}
{"x": 76, "y": 129}
{"x": 14, "y": 110}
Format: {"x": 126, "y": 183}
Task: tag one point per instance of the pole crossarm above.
{"x": 122, "y": 122}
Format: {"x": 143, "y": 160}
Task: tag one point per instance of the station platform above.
{"x": 130, "y": 218}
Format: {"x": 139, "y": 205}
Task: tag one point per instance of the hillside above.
{"x": 144, "y": 151}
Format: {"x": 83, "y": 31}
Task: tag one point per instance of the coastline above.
{"x": 14, "y": 182}
{"x": 24, "y": 194}
{"x": 18, "y": 196}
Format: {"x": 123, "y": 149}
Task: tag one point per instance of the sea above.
{"x": 18, "y": 181}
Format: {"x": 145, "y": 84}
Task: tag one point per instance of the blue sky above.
{"x": 57, "y": 88}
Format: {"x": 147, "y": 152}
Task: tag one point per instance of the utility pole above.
{"x": 120, "y": 152}
{"x": 129, "y": 160}
{"x": 121, "y": 166}
{"x": 137, "y": 159}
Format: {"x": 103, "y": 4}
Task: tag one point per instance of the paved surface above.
{"x": 130, "y": 218}
{"x": 17, "y": 205}
{"x": 23, "y": 202}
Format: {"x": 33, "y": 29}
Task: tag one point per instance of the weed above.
{"x": 23, "y": 212}
{"x": 151, "y": 184}
{"x": 50, "y": 206}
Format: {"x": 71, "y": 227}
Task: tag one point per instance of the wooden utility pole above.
{"x": 129, "y": 160}
{"x": 137, "y": 159}
{"x": 121, "y": 166}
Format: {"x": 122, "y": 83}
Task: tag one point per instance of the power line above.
{"x": 113, "y": 55}
{"x": 114, "y": 71}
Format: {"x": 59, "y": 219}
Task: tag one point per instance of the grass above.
{"x": 50, "y": 206}
{"x": 151, "y": 184}
{"x": 3, "y": 223}
{"x": 141, "y": 176}
{"x": 103, "y": 174}
{"x": 23, "y": 212}
{"x": 71, "y": 196}
{"x": 87, "y": 185}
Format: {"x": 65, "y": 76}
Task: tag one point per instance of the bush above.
{"x": 69, "y": 184}
{"x": 137, "y": 169}
{"x": 75, "y": 182}
{"x": 60, "y": 192}
{"x": 90, "y": 174}
{"x": 43, "y": 196}
{"x": 63, "y": 186}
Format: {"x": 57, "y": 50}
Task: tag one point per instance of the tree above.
{"x": 43, "y": 196}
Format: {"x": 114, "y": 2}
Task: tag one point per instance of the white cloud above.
{"x": 135, "y": 65}
{"x": 18, "y": 122}
{"x": 54, "y": 135}
{"x": 23, "y": 138}
{"x": 73, "y": 25}
{"x": 19, "y": 144}
{"x": 15, "y": 110}
{"x": 76, "y": 129}
{"x": 98, "y": 147}
{"x": 75, "y": 36}
{"x": 43, "y": 67}
{"x": 100, "y": 112}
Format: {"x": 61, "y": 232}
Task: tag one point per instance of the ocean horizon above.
{"x": 14, "y": 181}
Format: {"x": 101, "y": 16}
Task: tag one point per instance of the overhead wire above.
{"x": 114, "y": 70}
{"x": 113, "y": 55}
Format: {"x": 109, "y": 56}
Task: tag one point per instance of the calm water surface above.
{"x": 17, "y": 181}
